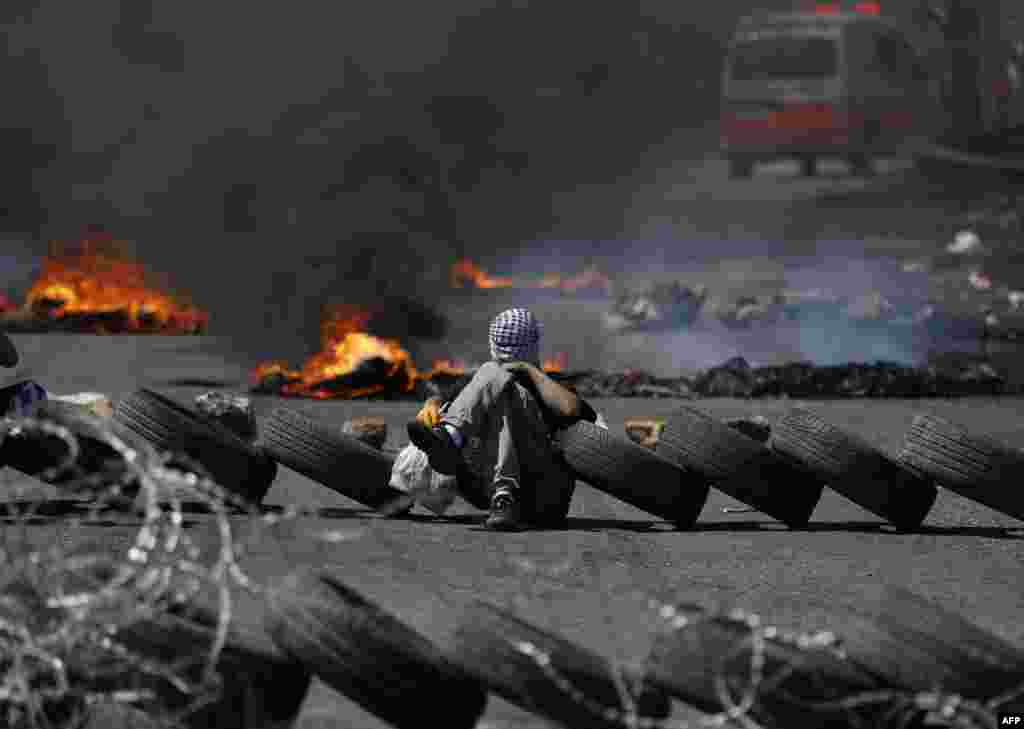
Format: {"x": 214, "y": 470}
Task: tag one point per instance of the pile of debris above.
{"x": 954, "y": 377}
{"x": 663, "y": 306}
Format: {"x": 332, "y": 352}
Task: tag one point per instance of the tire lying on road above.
{"x": 632, "y": 473}
{"x": 370, "y": 656}
{"x": 322, "y": 452}
{"x": 687, "y": 661}
{"x": 739, "y": 466}
{"x": 855, "y": 468}
{"x": 975, "y": 466}
{"x": 506, "y": 653}
{"x": 916, "y": 644}
{"x": 261, "y": 686}
{"x": 240, "y": 467}
{"x": 45, "y": 456}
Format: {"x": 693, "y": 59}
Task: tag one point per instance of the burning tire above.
{"x": 546, "y": 674}
{"x": 632, "y": 473}
{"x": 240, "y": 467}
{"x": 325, "y": 454}
{"x": 977, "y": 467}
{"x": 369, "y": 655}
{"x": 855, "y": 468}
{"x": 739, "y": 466}
{"x": 261, "y": 685}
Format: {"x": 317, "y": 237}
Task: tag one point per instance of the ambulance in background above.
{"x": 837, "y": 81}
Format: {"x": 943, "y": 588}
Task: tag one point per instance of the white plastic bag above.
{"x": 413, "y": 475}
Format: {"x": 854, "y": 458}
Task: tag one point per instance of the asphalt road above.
{"x": 593, "y": 581}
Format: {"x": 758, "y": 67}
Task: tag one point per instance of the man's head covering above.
{"x": 8, "y": 353}
{"x": 515, "y": 337}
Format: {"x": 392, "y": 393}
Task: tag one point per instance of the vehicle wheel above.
{"x": 740, "y": 466}
{"x": 262, "y": 686}
{"x": 632, "y": 473}
{"x": 240, "y": 467}
{"x": 854, "y": 468}
{"x": 323, "y": 453}
{"x": 686, "y": 662}
{"x": 808, "y": 166}
{"x": 368, "y": 655}
{"x": 487, "y": 643}
{"x": 740, "y": 168}
{"x": 977, "y": 467}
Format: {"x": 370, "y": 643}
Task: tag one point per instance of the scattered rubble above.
{"x": 371, "y": 431}
{"x": 644, "y": 431}
{"x": 663, "y": 306}
{"x": 966, "y": 242}
{"x": 233, "y": 411}
{"x": 951, "y": 377}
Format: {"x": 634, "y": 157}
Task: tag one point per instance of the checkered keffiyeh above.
{"x": 515, "y": 337}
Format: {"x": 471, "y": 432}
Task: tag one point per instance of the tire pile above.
{"x": 312, "y": 624}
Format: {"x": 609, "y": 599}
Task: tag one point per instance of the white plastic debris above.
{"x": 1016, "y": 299}
{"x": 412, "y": 474}
{"x": 94, "y": 402}
{"x": 965, "y": 242}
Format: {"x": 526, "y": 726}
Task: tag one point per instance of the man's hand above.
{"x": 561, "y": 401}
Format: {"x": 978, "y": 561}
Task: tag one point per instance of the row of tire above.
{"x": 309, "y": 624}
{"x": 783, "y": 476}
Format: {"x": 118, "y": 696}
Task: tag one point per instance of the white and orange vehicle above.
{"x": 835, "y": 81}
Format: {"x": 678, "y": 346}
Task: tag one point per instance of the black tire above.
{"x": 632, "y": 473}
{"x": 975, "y": 466}
{"x": 686, "y": 662}
{"x": 41, "y": 455}
{"x": 240, "y": 467}
{"x": 740, "y": 168}
{"x": 323, "y": 453}
{"x": 485, "y": 644}
{"x": 916, "y": 644}
{"x": 855, "y": 468}
{"x": 261, "y": 685}
{"x": 368, "y": 655}
{"x": 739, "y": 466}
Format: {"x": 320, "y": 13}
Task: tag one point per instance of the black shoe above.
{"x": 437, "y": 444}
{"x": 505, "y": 513}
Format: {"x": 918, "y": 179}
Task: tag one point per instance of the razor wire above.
{"x": 941, "y": 709}
{"x": 162, "y": 568}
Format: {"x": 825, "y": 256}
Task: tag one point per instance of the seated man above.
{"x": 500, "y": 428}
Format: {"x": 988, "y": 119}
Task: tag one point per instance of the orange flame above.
{"x": 345, "y": 347}
{"x": 81, "y": 280}
{"x": 465, "y": 273}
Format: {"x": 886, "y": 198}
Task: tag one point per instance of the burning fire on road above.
{"x": 467, "y": 274}
{"x": 353, "y": 364}
{"x": 90, "y": 287}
